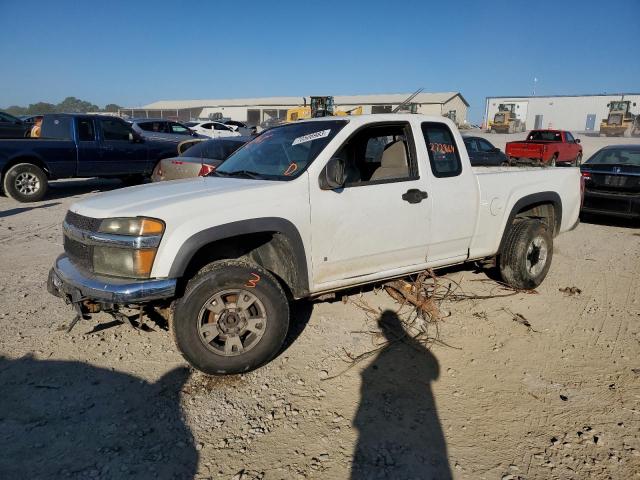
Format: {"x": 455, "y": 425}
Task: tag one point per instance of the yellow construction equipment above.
{"x": 505, "y": 120}
{"x": 319, "y": 107}
{"x": 620, "y": 121}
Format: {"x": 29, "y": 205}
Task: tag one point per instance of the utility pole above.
{"x": 535, "y": 81}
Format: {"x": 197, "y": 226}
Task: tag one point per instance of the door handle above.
{"x": 414, "y": 195}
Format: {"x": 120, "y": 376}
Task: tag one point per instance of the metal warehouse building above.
{"x": 579, "y": 113}
{"x": 257, "y": 110}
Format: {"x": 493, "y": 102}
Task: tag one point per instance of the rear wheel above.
{"x": 233, "y": 318}
{"x": 553, "y": 161}
{"x": 578, "y": 160}
{"x": 25, "y": 182}
{"x": 526, "y": 255}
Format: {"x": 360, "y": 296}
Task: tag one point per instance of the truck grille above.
{"x": 80, "y": 254}
{"x": 82, "y": 222}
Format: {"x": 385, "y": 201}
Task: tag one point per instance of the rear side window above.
{"x": 158, "y": 127}
{"x": 115, "y": 130}
{"x": 58, "y": 128}
{"x": 443, "y": 151}
{"x": 86, "y": 130}
{"x": 179, "y": 129}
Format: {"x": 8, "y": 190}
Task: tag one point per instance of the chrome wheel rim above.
{"x": 232, "y": 322}
{"x": 536, "y": 258}
{"x": 27, "y": 183}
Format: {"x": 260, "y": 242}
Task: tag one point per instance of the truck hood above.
{"x": 150, "y": 198}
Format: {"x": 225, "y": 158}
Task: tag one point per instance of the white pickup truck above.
{"x": 306, "y": 209}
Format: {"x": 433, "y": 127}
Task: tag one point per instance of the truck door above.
{"x": 379, "y": 221}
{"x": 121, "y": 152}
{"x": 454, "y": 193}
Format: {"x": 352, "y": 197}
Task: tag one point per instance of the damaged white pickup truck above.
{"x": 305, "y": 209}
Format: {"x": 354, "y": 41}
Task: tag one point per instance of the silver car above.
{"x": 162, "y": 129}
{"x": 198, "y": 160}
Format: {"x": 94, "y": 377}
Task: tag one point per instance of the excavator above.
{"x": 505, "y": 120}
{"x": 319, "y": 107}
{"x": 620, "y": 121}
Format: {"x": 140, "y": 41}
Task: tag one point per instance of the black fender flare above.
{"x": 531, "y": 200}
{"x": 293, "y": 269}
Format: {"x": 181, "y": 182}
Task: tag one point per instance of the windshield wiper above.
{"x": 241, "y": 173}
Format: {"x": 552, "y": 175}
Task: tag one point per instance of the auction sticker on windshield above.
{"x": 311, "y": 136}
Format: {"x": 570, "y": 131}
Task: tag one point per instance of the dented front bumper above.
{"x": 73, "y": 284}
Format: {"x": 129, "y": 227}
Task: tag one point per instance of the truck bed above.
{"x": 500, "y": 187}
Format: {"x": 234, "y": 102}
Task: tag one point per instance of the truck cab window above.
{"x": 86, "y": 131}
{"x": 569, "y": 137}
{"x": 115, "y": 130}
{"x": 443, "y": 152}
{"x": 377, "y": 154}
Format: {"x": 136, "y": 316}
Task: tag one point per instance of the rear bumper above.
{"x": 66, "y": 280}
{"x": 606, "y": 203}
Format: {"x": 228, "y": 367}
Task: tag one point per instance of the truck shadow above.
{"x": 399, "y": 432}
{"x": 16, "y": 211}
{"x": 70, "y": 188}
{"x": 65, "y": 419}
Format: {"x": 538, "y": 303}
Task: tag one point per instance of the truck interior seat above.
{"x": 394, "y": 162}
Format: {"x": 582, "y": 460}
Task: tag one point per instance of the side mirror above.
{"x": 135, "y": 137}
{"x": 495, "y": 150}
{"x": 332, "y": 175}
{"x": 577, "y": 140}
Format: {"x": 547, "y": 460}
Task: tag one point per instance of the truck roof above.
{"x": 382, "y": 117}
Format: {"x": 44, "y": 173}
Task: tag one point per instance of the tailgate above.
{"x": 524, "y": 149}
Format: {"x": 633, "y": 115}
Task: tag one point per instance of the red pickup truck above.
{"x": 546, "y": 147}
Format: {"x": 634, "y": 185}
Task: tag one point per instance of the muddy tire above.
{"x": 526, "y": 255}
{"x": 25, "y": 182}
{"x": 233, "y": 318}
{"x": 552, "y": 162}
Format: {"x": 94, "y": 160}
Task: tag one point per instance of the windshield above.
{"x": 618, "y": 156}
{"x": 543, "y": 135}
{"x": 618, "y": 106}
{"x": 282, "y": 153}
{"x": 213, "y": 149}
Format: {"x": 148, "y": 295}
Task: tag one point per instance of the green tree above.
{"x": 112, "y": 107}
{"x": 73, "y": 104}
{"x": 16, "y": 110}
{"x": 40, "y": 108}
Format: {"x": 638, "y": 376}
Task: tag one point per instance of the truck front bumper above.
{"x": 69, "y": 282}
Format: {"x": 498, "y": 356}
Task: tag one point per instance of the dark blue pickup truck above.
{"x": 76, "y": 146}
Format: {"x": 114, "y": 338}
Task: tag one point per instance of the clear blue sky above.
{"x": 135, "y": 52}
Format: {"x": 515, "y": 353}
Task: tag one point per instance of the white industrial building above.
{"x": 257, "y": 110}
{"x": 578, "y": 113}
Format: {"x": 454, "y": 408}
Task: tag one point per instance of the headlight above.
{"x": 123, "y": 262}
{"x": 132, "y": 226}
{"x": 123, "y": 256}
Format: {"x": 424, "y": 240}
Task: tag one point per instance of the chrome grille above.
{"x": 82, "y": 222}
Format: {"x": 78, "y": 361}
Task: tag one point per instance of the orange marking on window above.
{"x": 252, "y": 282}
{"x": 290, "y": 169}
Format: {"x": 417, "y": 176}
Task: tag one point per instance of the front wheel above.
{"x": 233, "y": 318}
{"x": 553, "y": 161}
{"x": 526, "y": 255}
{"x": 25, "y": 182}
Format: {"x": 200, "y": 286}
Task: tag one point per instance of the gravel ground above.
{"x": 492, "y": 399}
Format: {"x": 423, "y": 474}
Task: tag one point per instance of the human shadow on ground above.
{"x": 63, "y": 419}
{"x": 399, "y": 433}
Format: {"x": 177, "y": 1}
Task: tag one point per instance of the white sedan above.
{"x": 213, "y": 129}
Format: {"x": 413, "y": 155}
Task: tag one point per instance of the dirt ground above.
{"x": 494, "y": 399}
